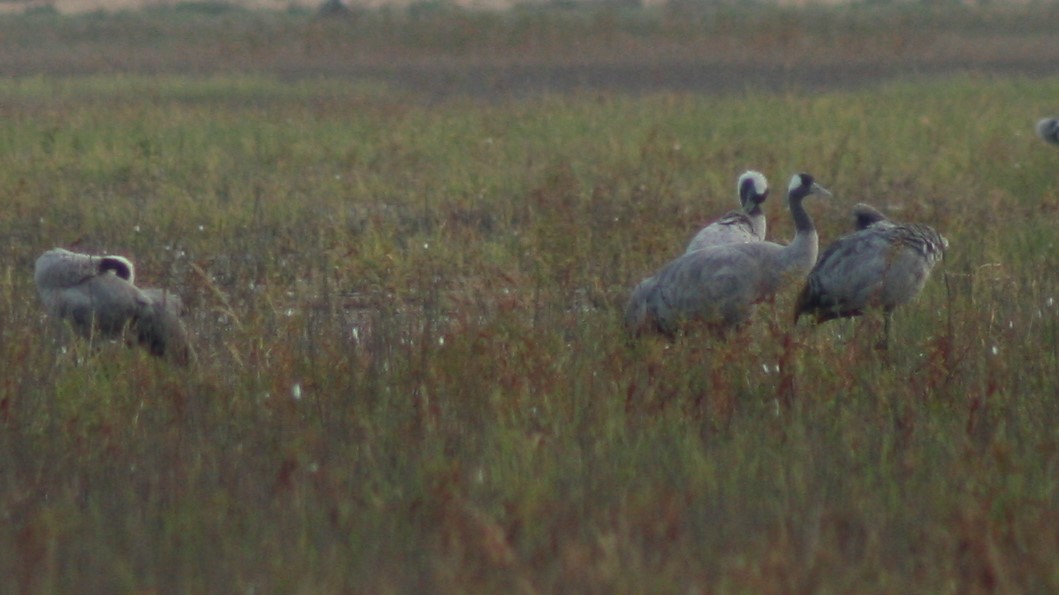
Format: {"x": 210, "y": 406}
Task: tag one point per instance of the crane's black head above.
{"x": 864, "y": 216}
{"x": 117, "y": 265}
{"x": 753, "y": 190}
{"x": 802, "y": 185}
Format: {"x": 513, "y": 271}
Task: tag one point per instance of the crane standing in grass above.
{"x": 98, "y": 297}
{"x": 747, "y": 225}
{"x": 882, "y": 265}
{"x": 719, "y": 286}
{"x": 736, "y": 227}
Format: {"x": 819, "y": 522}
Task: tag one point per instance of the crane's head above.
{"x": 753, "y": 190}
{"x": 803, "y": 185}
{"x": 865, "y": 216}
{"x": 119, "y": 266}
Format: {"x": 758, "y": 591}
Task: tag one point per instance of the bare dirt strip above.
{"x": 446, "y": 57}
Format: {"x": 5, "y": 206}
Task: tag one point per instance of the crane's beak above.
{"x": 818, "y": 189}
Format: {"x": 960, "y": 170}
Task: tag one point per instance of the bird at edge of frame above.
{"x": 98, "y": 298}
{"x": 881, "y": 265}
{"x": 1048, "y": 130}
{"x": 719, "y": 286}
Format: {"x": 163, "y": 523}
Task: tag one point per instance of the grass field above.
{"x": 411, "y": 374}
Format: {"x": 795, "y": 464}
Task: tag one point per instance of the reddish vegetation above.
{"x": 412, "y": 375}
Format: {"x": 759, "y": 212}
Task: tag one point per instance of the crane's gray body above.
{"x": 97, "y": 296}
{"x": 883, "y": 266}
{"x": 735, "y": 227}
{"x": 719, "y": 286}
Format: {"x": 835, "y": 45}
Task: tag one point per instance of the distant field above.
{"x": 435, "y": 51}
{"x": 81, "y": 6}
{"x": 406, "y": 277}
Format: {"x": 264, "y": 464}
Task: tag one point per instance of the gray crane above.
{"x": 746, "y": 225}
{"x": 882, "y": 265}
{"x": 1048, "y": 129}
{"x": 719, "y": 286}
{"x": 98, "y": 297}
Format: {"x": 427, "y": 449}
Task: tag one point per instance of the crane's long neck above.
{"x": 803, "y": 223}
{"x": 800, "y": 254}
{"x": 757, "y": 221}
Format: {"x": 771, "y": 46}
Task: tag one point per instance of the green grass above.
{"x": 443, "y": 284}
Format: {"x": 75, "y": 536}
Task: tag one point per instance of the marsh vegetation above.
{"x": 412, "y": 374}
